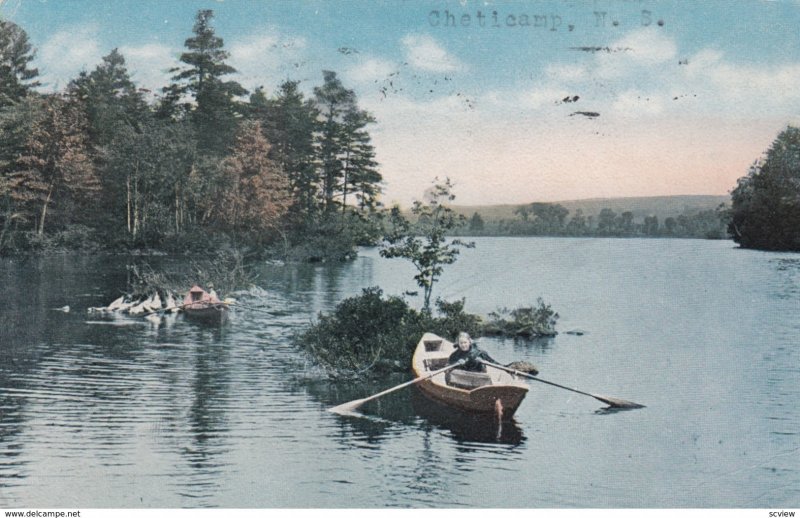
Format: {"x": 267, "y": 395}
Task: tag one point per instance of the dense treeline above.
{"x": 553, "y": 219}
{"x": 766, "y": 203}
{"x": 202, "y": 164}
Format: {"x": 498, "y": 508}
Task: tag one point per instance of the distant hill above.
{"x": 659, "y": 206}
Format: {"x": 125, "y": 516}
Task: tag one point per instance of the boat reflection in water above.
{"x": 466, "y": 427}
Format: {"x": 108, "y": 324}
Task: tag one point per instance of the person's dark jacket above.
{"x": 471, "y": 359}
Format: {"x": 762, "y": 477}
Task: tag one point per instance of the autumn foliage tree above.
{"x": 257, "y": 193}
{"x": 55, "y": 167}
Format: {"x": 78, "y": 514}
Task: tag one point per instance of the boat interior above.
{"x": 457, "y": 377}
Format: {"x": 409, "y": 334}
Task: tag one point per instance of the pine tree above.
{"x": 215, "y": 111}
{"x": 289, "y": 123}
{"x": 16, "y": 53}
{"x": 361, "y": 176}
{"x": 110, "y": 97}
{"x": 346, "y": 156}
{"x": 117, "y": 113}
{"x": 334, "y": 101}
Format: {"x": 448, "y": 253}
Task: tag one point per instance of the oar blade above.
{"x": 617, "y": 403}
{"x": 348, "y": 408}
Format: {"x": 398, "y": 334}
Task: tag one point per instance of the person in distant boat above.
{"x": 470, "y": 354}
{"x": 198, "y": 295}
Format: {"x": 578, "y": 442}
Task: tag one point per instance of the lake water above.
{"x": 133, "y": 413}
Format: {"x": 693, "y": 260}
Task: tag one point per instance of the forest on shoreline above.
{"x": 205, "y": 165}
{"x": 201, "y": 165}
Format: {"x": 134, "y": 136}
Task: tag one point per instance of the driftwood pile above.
{"x": 140, "y": 307}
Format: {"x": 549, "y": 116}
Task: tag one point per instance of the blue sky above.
{"x": 687, "y": 94}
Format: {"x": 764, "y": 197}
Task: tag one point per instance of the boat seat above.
{"x": 433, "y": 345}
{"x": 467, "y": 379}
{"x": 434, "y": 364}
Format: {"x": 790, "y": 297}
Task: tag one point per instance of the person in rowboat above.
{"x": 470, "y": 353}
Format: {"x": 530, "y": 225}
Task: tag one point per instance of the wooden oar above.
{"x": 251, "y": 308}
{"x": 347, "y": 408}
{"x": 610, "y": 401}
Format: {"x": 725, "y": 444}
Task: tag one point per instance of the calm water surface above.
{"x": 134, "y": 413}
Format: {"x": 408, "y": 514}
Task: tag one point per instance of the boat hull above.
{"x": 483, "y": 400}
{"x": 500, "y": 395}
{"x": 207, "y": 313}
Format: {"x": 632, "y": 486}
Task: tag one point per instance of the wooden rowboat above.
{"x": 204, "y": 307}
{"x": 495, "y": 392}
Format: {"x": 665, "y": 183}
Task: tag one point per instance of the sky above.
{"x": 514, "y": 101}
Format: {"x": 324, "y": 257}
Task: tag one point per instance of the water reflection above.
{"x": 207, "y": 421}
{"x": 466, "y": 427}
{"x": 410, "y": 408}
{"x": 11, "y": 427}
{"x": 521, "y": 345}
{"x": 133, "y": 413}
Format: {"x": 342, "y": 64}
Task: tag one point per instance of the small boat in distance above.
{"x": 205, "y": 307}
{"x": 494, "y": 392}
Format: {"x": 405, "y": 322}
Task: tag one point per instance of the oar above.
{"x": 346, "y": 408}
{"x": 610, "y": 401}
{"x": 251, "y": 308}
{"x": 164, "y": 310}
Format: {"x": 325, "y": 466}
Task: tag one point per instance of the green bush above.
{"x": 454, "y": 320}
{"x": 527, "y": 322}
{"x": 363, "y": 331}
{"x": 371, "y": 333}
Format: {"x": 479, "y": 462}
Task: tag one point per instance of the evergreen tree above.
{"x": 289, "y": 123}
{"x": 360, "y": 170}
{"x": 215, "y": 110}
{"x": 111, "y": 99}
{"x": 345, "y": 153}
{"x": 334, "y": 101}
{"x": 16, "y": 53}
{"x": 117, "y": 113}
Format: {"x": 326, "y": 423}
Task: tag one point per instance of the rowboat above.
{"x": 494, "y": 392}
{"x": 205, "y": 307}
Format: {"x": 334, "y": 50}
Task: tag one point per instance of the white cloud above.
{"x": 371, "y": 69}
{"x": 758, "y": 86}
{"x": 260, "y": 56}
{"x": 640, "y": 50}
{"x": 66, "y": 54}
{"x": 647, "y": 46}
{"x": 425, "y": 53}
{"x": 149, "y": 64}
